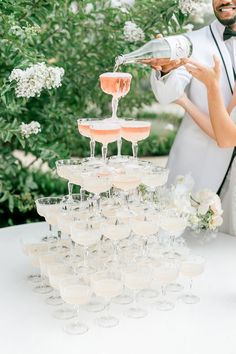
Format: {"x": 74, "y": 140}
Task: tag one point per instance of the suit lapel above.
{"x": 224, "y": 52}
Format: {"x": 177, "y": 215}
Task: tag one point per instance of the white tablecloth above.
{"x": 27, "y": 327}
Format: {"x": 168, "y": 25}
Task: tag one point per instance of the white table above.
{"x": 27, "y": 327}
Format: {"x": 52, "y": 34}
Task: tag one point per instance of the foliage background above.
{"x": 85, "y": 45}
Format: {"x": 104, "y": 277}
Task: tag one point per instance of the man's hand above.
{"x": 164, "y": 65}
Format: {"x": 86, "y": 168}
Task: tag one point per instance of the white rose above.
{"x": 203, "y": 208}
{"x": 215, "y": 222}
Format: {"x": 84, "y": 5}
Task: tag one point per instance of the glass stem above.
{"x": 119, "y": 146}
{"x": 163, "y": 291}
{"x": 190, "y": 285}
{"x": 114, "y": 104}
{"x": 81, "y": 194}
{"x": 92, "y": 148}
{"x": 135, "y": 149}
{"x": 70, "y": 189}
{"x": 134, "y": 299}
{"x": 77, "y": 314}
{"x": 145, "y": 247}
{"x": 104, "y": 152}
{"x": 98, "y": 201}
{"x": 115, "y": 251}
{"x": 108, "y": 307}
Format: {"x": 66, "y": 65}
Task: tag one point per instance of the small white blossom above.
{"x": 122, "y": 3}
{"x": 30, "y": 82}
{"x": 74, "y": 7}
{"x": 189, "y": 27}
{"x": 184, "y": 184}
{"x": 17, "y": 31}
{"x": 89, "y": 8}
{"x": 29, "y": 129}
{"x": 53, "y": 79}
{"x": 169, "y": 127}
{"x": 99, "y": 19}
{"x": 133, "y": 33}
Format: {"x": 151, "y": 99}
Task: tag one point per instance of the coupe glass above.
{"x": 31, "y": 247}
{"x": 86, "y": 233}
{"x": 165, "y": 273}
{"x": 145, "y": 228}
{"x": 76, "y": 292}
{"x": 69, "y": 169}
{"x": 84, "y": 129}
{"x": 97, "y": 183}
{"x": 174, "y": 224}
{"x": 136, "y": 278}
{"x": 116, "y": 230}
{"x": 57, "y": 271}
{"x": 108, "y": 285}
{"x": 135, "y": 131}
{"x": 154, "y": 177}
{"x": 191, "y": 267}
{"x": 116, "y": 84}
{"x": 105, "y": 133}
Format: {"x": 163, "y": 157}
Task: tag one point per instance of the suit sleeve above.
{"x": 171, "y": 86}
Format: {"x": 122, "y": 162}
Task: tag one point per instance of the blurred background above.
{"x": 83, "y": 38}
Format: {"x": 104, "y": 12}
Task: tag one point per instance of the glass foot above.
{"x": 34, "y": 278}
{"x": 107, "y": 321}
{"x": 95, "y": 306}
{"x": 164, "y": 305}
{"x": 189, "y": 299}
{"x": 123, "y": 299}
{"x": 75, "y": 328}
{"x": 148, "y": 294}
{"x": 54, "y": 300}
{"x": 43, "y": 289}
{"x": 49, "y": 238}
{"x": 64, "y": 313}
{"x": 136, "y": 312}
{"x": 174, "y": 287}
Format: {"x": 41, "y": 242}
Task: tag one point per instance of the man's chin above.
{"x": 227, "y": 22}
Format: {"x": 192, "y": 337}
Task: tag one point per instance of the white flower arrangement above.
{"x": 30, "y": 82}
{"x": 29, "y": 129}
{"x": 208, "y": 210}
{"x": 203, "y": 207}
{"x": 133, "y": 33}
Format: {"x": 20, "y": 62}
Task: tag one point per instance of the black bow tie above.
{"x": 228, "y": 33}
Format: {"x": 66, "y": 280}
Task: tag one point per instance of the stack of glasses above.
{"x": 111, "y": 243}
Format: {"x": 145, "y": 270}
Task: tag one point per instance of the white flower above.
{"x": 54, "y": 77}
{"x": 170, "y": 127}
{"x": 184, "y": 184}
{"x": 89, "y": 8}
{"x": 29, "y": 129}
{"x": 189, "y": 27}
{"x": 133, "y": 33}
{"x": 30, "y": 82}
{"x": 215, "y": 222}
{"x": 194, "y": 220}
{"x": 188, "y": 6}
{"x": 122, "y": 3}
{"x": 203, "y": 208}
{"x": 17, "y": 31}
{"x": 74, "y": 7}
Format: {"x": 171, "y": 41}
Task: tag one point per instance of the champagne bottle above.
{"x": 172, "y": 47}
